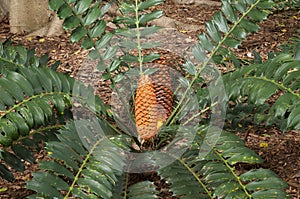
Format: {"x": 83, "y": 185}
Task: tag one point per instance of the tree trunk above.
{"x": 28, "y": 15}
{"x": 4, "y": 7}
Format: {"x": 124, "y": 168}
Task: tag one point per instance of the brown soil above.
{"x": 281, "y": 151}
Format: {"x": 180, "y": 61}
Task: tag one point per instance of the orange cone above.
{"x": 153, "y": 102}
{"x": 146, "y": 109}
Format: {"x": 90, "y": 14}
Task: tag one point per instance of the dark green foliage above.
{"x": 227, "y": 30}
{"x": 90, "y": 158}
{"x": 13, "y": 57}
{"x": 28, "y": 97}
{"x": 283, "y": 4}
{"x": 31, "y": 98}
{"x": 35, "y": 100}
{"x": 83, "y": 154}
{"x": 83, "y": 18}
{"x": 144, "y": 190}
{"x": 193, "y": 176}
{"x": 258, "y": 82}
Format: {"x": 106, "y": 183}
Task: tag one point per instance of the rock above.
{"x": 172, "y": 40}
{"x": 184, "y": 1}
{"x": 165, "y": 22}
{"x": 168, "y": 22}
{"x": 197, "y": 2}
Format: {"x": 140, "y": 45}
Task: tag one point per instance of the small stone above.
{"x": 186, "y": 2}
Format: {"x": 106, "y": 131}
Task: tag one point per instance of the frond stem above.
{"x": 281, "y": 86}
{"x": 199, "y": 113}
{"x": 85, "y": 161}
{"x": 200, "y": 67}
{"x": 231, "y": 170}
{"x": 10, "y": 62}
{"x": 196, "y": 177}
{"x": 89, "y": 35}
{"x": 126, "y": 184}
{"x": 29, "y": 99}
{"x": 40, "y": 130}
{"x": 138, "y": 37}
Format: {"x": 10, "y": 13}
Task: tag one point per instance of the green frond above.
{"x": 133, "y": 23}
{"x": 14, "y": 57}
{"x": 28, "y": 98}
{"x": 125, "y": 189}
{"x": 143, "y": 190}
{"x": 183, "y": 181}
{"x": 85, "y": 21}
{"x": 227, "y": 29}
{"x": 263, "y": 182}
{"x": 85, "y": 162}
{"x": 213, "y": 175}
{"x": 83, "y": 18}
{"x": 258, "y": 82}
{"x": 34, "y": 101}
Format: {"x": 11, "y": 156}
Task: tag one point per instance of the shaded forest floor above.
{"x": 281, "y": 151}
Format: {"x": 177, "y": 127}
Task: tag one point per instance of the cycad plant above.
{"x": 92, "y": 157}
